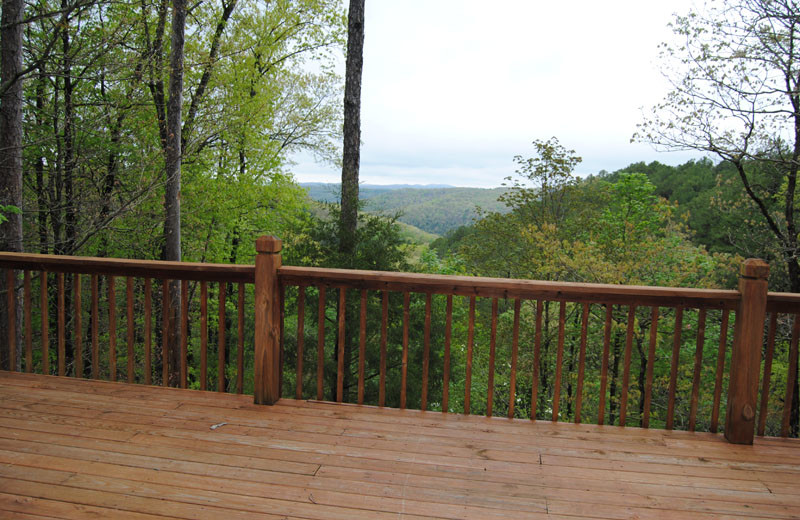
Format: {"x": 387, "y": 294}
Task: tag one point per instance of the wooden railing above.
{"x": 78, "y": 343}
{"x": 557, "y": 351}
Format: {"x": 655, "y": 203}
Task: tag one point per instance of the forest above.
{"x": 104, "y": 109}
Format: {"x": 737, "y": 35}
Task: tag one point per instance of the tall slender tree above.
{"x": 10, "y": 144}
{"x": 351, "y": 154}
{"x": 172, "y": 200}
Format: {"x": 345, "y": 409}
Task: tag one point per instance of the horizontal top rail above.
{"x": 124, "y": 267}
{"x": 510, "y": 288}
{"x": 788, "y": 303}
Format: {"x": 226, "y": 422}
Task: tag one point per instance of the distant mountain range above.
{"x": 433, "y": 208}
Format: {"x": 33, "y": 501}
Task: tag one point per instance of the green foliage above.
{"x": 8, "y": 210}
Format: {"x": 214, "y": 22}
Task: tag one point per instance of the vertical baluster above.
{"x": 11, "y": 308}
{"x": 698, "y": 366}
{"x": 95, "y": 328}
{"x": 112, "y": 329}
{"x": 601, "y": 410}
{"x": 790, "y": 377}
{"x": 44, "y": 306}
{"x": 384, "y": 334}
{"x": 562, "y": 316}
{"x": 342, "y": 339}
{"x": 512, "y": 390}
{"x": 723, "y": 343}
{"x": 221, "y": 386}
{"x": 61, "y": 325}
{"x": 362, "y": 346}
{"x": 492, "y": 348}
{"x": 763, "y": 411}
{"x": 28, "y": 324}
{"x": 281, "y": 318}
{"x": 651, "y": 361}
{"x": 301, "y": 323}
{"x": 470, "y": 340}
{"x": 203, "y": 335}
{"x": 426, "y": 352}
{"x": 404, "y": 366}
{"x": 321, "y": 343}
{"x": 673, "y": 375}
{"x": 165, "y": 325}
{"x": 537, "y": 348}
{"x": 184, "y": 370}
{"x": 581, "y": 362}
{"x": 129, "y": 308}
{"x": 78, "y": 311}
{"x": 148, "y": 310}
{"x": 240, "y": 345}
{"x": 626, "y": 373}
{"x": 447, "y": 337}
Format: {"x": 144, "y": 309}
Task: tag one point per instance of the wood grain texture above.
{"x": 748, "y": 341}
{"x": 81, "y": 449}
{"x": 508, "y": 288}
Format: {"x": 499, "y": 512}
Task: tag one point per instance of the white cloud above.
{"x": 452, "y": 90}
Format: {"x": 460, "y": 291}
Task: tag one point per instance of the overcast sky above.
{"x": 453, "y": 89}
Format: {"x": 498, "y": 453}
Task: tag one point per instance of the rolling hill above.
{"x": 434, "y": 209}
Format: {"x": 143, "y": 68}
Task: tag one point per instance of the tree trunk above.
{"x": 11, "y": 156}
{"x": 352, "y": 127}
{"x": 348, "y": 218}
{"x": 172, "y": 203}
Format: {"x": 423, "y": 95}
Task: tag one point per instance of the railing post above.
{"x": 267, "y": 309}
{"x": 746, "y": 353}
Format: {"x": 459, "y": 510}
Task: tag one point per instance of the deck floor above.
{"x": 86, "y": 449}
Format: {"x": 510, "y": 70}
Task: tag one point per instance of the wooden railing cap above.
{"x": 755, "y": 268}
{"x": 268, "y": 244}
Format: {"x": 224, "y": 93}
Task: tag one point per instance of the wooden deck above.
{"x": 86, "y": 449}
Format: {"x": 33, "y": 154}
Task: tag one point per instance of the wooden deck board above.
{"x": 82, "y": 449}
